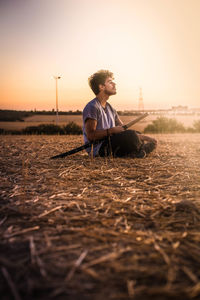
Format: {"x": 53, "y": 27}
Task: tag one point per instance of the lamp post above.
{"x": 56, "y": 78}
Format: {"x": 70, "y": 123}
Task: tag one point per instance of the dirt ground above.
{"x": 103, "y": 228}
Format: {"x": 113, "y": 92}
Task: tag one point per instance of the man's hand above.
{"x": 93, "y": 134}
{"x": 116, "y": 129}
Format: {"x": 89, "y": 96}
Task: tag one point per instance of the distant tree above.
{"x": 165, "y": 125}
{"x": 13, "y": 115}
{"x": 196, "y": 126}
{"x": 43, "y": 129}
{"x": 72, "y": 128}
{"x": 190, "y": 130}
{"x": 2, "y": 131}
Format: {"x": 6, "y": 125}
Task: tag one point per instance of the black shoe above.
{"x": 141, "y": 154}
{"x": 149, "y": 147}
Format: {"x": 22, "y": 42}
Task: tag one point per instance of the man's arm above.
{"x": 94, "y": 134}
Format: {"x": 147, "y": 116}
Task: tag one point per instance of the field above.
{"x": 103, "y": 228}
{"x": 35, "y": 120}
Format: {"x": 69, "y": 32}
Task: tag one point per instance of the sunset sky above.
{"x": 153, "y": 44}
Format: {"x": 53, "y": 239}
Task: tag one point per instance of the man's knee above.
{"x": 126, "y": 142}
{"x": 132, "y": 135}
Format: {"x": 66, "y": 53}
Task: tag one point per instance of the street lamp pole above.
{"x": 56, "y": 78}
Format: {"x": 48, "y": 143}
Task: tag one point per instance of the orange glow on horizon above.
{"x": 150, "y": 44}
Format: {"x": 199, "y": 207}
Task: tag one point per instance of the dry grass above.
{"x": 77, "y": 228}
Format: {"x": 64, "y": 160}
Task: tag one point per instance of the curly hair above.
{"x": 98, "y": 78}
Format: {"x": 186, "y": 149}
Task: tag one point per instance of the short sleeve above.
{"x": 90, "y": 112}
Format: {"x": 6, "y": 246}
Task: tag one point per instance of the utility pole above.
{"x": 56, "y": 78}
{"x": 140, "y": 101}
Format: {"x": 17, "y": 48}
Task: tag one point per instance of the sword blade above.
{"x": 73, "y": 151}
{"x": 135, "y": 121}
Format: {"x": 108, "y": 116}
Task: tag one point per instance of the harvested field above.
{"x": 77, "y": 228}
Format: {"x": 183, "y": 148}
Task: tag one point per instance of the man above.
{"x": 100, "y": 120}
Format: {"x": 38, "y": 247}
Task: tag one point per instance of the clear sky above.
{"x": 153, "y": 44}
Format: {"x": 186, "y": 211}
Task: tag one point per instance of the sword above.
{"x": 87, "y": 145}
{"x": 135, "y": 121}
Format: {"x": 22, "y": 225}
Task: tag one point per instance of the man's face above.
{"x": 109, "y": 87}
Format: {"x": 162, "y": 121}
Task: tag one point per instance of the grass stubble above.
{"x": 106, "y": 228}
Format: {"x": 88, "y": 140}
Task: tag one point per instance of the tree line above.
{"x": 20, "y": 115}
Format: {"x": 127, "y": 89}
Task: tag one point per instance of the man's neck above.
{"x": 103, "y": 99}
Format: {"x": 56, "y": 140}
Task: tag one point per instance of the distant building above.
{"x": 180, "y": 108}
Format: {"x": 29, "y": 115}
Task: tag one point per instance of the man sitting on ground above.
{"x": 100, "y": 120}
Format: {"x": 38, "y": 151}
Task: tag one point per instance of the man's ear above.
{"x": 101, "y": 87}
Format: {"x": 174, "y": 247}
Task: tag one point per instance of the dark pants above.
{"x": 126, "y": 143}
